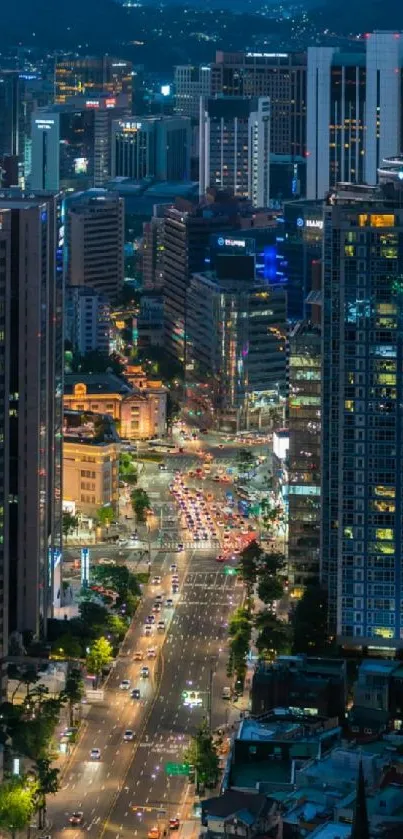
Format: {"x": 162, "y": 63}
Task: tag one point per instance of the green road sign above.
{"x": 177, "y": 768}
{"x": 229, "y": 570}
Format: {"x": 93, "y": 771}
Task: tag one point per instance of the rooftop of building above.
{"x": 287, "y": 725}
{"x": 245, "y": 806}
{"x": 377, "y": 666}
{"x": 96, "y": 383}
{"x": 300, "y": 663}
{"x": 89, "y": 428}
{"x": 78, "y": 201}
{"x": 388, "y": 194}
{"x": 266, "y": 773}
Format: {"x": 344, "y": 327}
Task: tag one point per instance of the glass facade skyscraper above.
{"x": 362, "y": 423}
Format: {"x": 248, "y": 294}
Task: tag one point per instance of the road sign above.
{"x": 177, "y": 768}
{"x": 231, "y": 572}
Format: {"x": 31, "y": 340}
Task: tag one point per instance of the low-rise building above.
{"x": 90, "y": 461}
{"x": 267, "y": 753}
{"x": 137, "y": 404}
{"x": 246, "y": 815}
{"x": 311, "y": 685}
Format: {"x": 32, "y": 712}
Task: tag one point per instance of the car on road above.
{"x": 124, "y": 685}
{"x": 156, "y": 581}
{"x": 158, "y": 598}
{"x": 135, "y": 694}
{"x": 220, "y": 558}
{"x": 174, "y": 823}
{"x": 95, "y": 754}
{"x": 157, "y": 607}
{"x": 154, "y": 833}
{"x": 173, "y": 567}
{"x": 151, "y": 652}
{"x": 162, "y": 467}
{"x": 148, "y": 630}
{"x": 150, "y": 619}
{"x": 144, "y": 672}
{"x": 161, "y": 626}
{"x": 169, "y": 603}
{"x": 76, "y": 818}
{"x": 175, "y": 588}
{"x": 138, "y": 656}
{"x": 128, "y": 735}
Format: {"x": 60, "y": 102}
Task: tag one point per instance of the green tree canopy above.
{"x": 92, "y": 614}
{"x": 73, "y": 690}
{"x": 105, "y": 515}
{"x": 270, "y": 588}
{"x": 202, "y": 754}
{"x": 70, "y": 523}
{"x": 116, "y": 577}
{"x": 99, "y": 656}
{"x": 47, "y": 784}
{"x": 17, "y": 804}
{"x": 274, "y": 636}
{"x": 140, "y": 503}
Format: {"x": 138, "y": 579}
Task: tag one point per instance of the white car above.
{"x": 148, "y": 630}
{"x": 161, "y": 626}
{"x": 144, "y": 672}
{"x": 151, "y": 653}
{"x": 125, "y": 684}
{"x": 173, "y": 567}
{"x": 156, "y": 581}
{"x": 95, "y": 754}
{"x": 128, "y": 735}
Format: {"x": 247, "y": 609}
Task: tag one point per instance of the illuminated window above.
{"x": 349, "y": 250}
{"x": 384, "y": 506}
{"x": 384, "y": 533}
{"x": 382, "y": 220}
{"x": 348, "y": 532}
{"x": 385, "y": 379}
{"x": 384, "y": 490}
{"x": 362, "y": 220}
{"x": 382, "y": 632}
{"x": 349, "y": 405}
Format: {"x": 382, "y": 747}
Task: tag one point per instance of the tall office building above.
{"x": 384, "y": 73}
{"x": 190, "y": 83}
{"x": 11, "y": 112}
{"x": 95, "y": 241}
{"x": 87, "y": 320}
{"x": 336, "y": 93}
{"x": 235, "y": 147}
{"x": 362, "y": 424}
{"x": 279, "y": 76}
{"x": 153, "y": 250}
{"x": 152, "y": 146}
{"x": 354, "y": 111}
{"x": 91, "y": 77}
{"x": 31, "y": 392}
{"x": 187, "y": 231}
{"x": 299, "y": 244}
{"x": 71, "y": 143}
{"x": 304, "y": 424}
{"x": 236, "y": 336}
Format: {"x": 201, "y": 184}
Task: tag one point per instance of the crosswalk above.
{"x": 204, "y": 545}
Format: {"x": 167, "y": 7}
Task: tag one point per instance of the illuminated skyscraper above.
{"x": 31, "y": 393}
{"x": 362, "y": 422}
{"x": 235, "y": 147}
{"x": 91, "y": 77}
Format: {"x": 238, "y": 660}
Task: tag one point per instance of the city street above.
{"x": 127, "y": 791}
